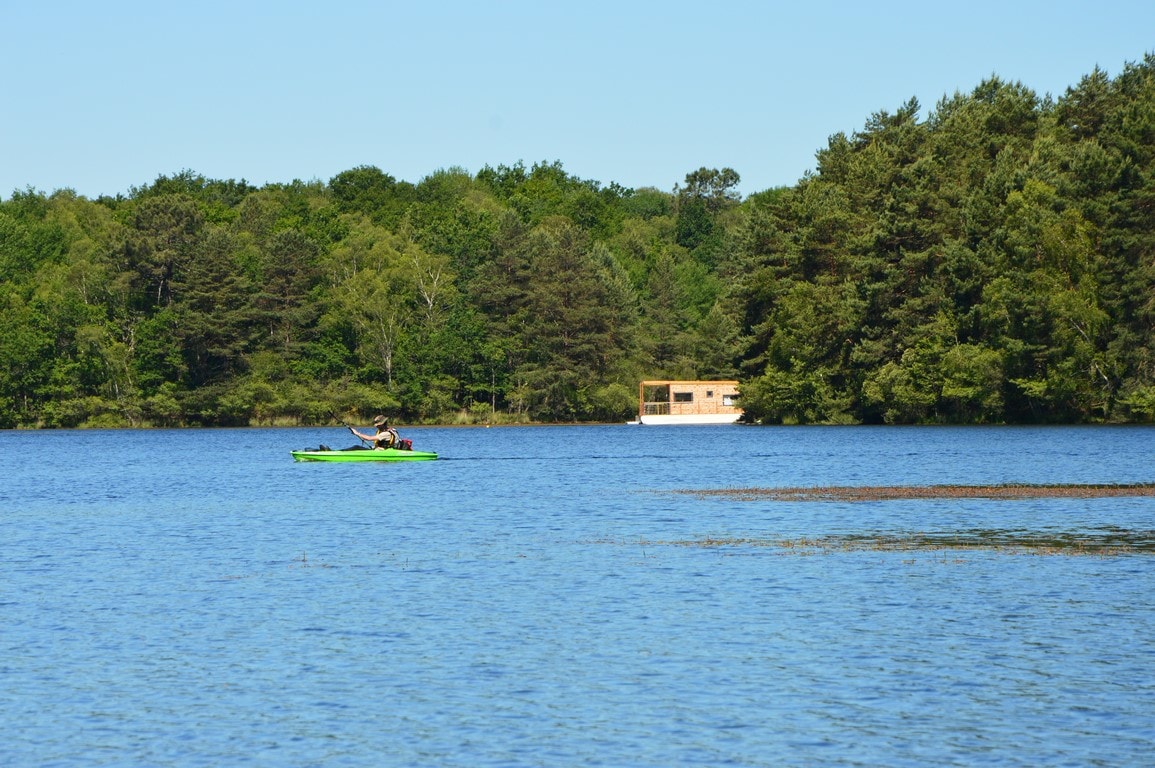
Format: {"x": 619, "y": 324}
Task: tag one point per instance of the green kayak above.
{"x": 387, "y": 454}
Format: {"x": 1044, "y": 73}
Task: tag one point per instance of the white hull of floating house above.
{"x": 688, "y": 402}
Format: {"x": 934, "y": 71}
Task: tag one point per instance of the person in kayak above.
{"x": 386, "y": 436}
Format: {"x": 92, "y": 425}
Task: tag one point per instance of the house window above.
{"x": 683, "y": 397}
{"x": 709, "y": 393}
{"x": 730, "y": 400}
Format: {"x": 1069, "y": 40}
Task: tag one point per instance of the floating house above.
{"x": 688, "y": 402}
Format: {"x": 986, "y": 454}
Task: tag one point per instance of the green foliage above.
{"x": 796, "y": 395}
{"x": 994, "y": 262}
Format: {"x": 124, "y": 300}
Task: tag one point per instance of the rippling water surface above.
{"x": 539, "y": 597}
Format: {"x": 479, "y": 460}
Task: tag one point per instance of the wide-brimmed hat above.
{"x": 380, "y": 421}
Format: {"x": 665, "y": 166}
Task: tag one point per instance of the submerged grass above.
{"x": 1103, "y": 543}
{"x": 900, "y": 492}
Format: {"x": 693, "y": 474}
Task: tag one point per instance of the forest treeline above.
{"x": 993, "y": 262}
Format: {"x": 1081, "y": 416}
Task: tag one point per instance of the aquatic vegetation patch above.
{"x": 1098, "y": 543}
{"x": 902, "y": 492}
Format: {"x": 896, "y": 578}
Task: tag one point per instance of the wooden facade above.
{"x": 688, "y": 402}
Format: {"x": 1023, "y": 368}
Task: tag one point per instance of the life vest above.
{"x": 386, "y": 443}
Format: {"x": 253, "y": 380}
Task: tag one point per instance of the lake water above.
{"x": 540, "y": 597}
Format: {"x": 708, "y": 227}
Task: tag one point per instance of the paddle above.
{"x": 341, "y": 421}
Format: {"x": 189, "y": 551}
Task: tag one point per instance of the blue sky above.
{"x": 102, "y": 97}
